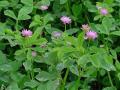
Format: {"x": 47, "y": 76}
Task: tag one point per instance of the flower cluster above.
{"x": 56, "y": 34}
{"x": 103, "y": 11}
{"x": 85, "y": 27}
{"x": 65, "y": 20}
{"x": 91, "y": 35}
{"x": 26, "y": 33}
{"x": 43, "y": 7}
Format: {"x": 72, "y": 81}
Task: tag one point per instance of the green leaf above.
{"x": 63, "y": 1}
{"x": 83, "y": 60}
{"x": 16, "y": 76}
{"x": 31, "y": 84}
{"x": 102, "y": 60}
{"x": 4, "y": 3}
{"x": 97, "y": 17}
{"x": 95, "y": 60}
{"x": 80, "y": 39}
{"x": 37, "y": 33}
{"x": 40, "y": 41}
{"x": 33, "y": 23}
{"x": 118, "y": 1}
{"x": 45, "y": 2}
{"x": 14, "y": 3}
{"x": 51, "y": 58}
{"x": 109, "y": 88}
{"x": 19, "y": 52}
{"x": 73, "y": 85}
{"x": 77, "y": 9}
{"x": 36, "y": 21}
{"x": 50, "y": 29}
{"x": 117, "y": 33}
{"x": 29, "y": 55}
{"x": 72, "y": 31}
{"x": 11, "y": 66}
{"x": 3, "y": 27}
{"x": 109, "y": 1}
{"x": 102, "y": 29}
{"x": 13, "y": 86}
{"x": 28, "y": 65}
{"x": 4, "y": 77}
{"x": 23, "y": 13}
{"x": 74, "y": 70}
{"x": 2, "y": 46}
{"x": 45, "y": 76}
{"x": 90, "y": 6}
{"x": 60, "y": 66}
{"x": 42, "y": 86}
{"x": 109, "y": 63}
{"x": 38, "y": 49}
{"x": 56, "y": 7}
{"x": 10, "y": 13}
{"x": 27, "y": 2}
{"x": 118, "y": 75}
{"x": 50, "y": 85}
{"x": 64, "y": 50}
{"x": 107, "y": 23}
{"x": 71, "y": 40}
{"x": 2, "y": 58}
{"x": 47, "y": 18}
{"x": 114, "y": 54}
{"x": 117, "y": 64}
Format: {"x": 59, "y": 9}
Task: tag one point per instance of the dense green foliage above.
{"x": 58, "y": 55}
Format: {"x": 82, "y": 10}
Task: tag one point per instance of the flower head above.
{"x": 91, "y": 35}
{"x": 34, "y": 53}
{"x": 56, "y": 34}
{"x": 65, "y": 20}
{"x": 26, "y": 33}
{"x": 85, "y": 27}
{"x": 103, "y": 11}
{"x": 43, "y": 7}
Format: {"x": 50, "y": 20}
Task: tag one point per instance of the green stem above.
{"x": 16, "y": 26}
{"x": 70, "y": 26}
{"x": 110, "y": 79}
{"x": 75, "y": 24}
{"x": 28, "y": 74}
{"x": 32, "y": 71}
{"x": 89, "y": 43}
{"x": 87, "y": 19}
{"x": 107, "y": 43}
{"x": 68, "y": 7}
{"x": 65, "y": 27}
{"x": 65, "y": 78}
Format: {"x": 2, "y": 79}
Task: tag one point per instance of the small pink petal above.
{"x": 65, "y": 20}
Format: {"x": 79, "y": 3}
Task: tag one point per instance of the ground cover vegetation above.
{"x": 59, "y": 45}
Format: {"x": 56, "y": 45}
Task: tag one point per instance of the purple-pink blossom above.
{"x": 56, "y": 34}
{"x": 26, "y": 33}
{"x": 43, "y": 7}
{"x": 91, "y": 35}
{"x": 85, "y": 27}
{"x": 103, "y": 11}
{"x": 65, "y": 20}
